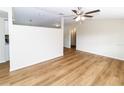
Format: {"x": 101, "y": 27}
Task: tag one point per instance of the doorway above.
{"x": 73, "y": 38}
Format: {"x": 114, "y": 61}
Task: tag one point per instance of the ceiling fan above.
{"x": 81, "y": 15}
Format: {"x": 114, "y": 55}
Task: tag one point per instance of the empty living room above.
{"x": 62, "y": 46}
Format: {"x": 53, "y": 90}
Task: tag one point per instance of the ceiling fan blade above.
{"x": 92, "y": 11}
{"x": 81, "y": 13}
{"x": 74, "y": 17}
{"x": 75, "y": 11}
{"x": 88, "y": 16}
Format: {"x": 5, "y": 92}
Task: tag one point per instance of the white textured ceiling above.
{"x": 49, "y": 16}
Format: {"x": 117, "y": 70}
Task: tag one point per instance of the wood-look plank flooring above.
{"x": 74, "y": 68}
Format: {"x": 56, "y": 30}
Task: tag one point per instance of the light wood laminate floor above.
{"x": 74, "y": 68}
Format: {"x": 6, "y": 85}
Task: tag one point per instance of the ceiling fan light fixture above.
{"x": 78, "y": 18}
{"x": 83, "y": 18}
{"x": 81, "y": 15}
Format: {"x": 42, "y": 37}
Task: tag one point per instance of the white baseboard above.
{"x": 117, "y": 58}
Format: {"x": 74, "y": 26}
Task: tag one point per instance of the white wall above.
{"x": 31, "y": 45}
{"x": 67, "y": 36}
{"x": 6, "y": 27}
{"x": 7, "y": 52}
{"x": 103, "y": 37}
{"x": 2, "y": 40}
